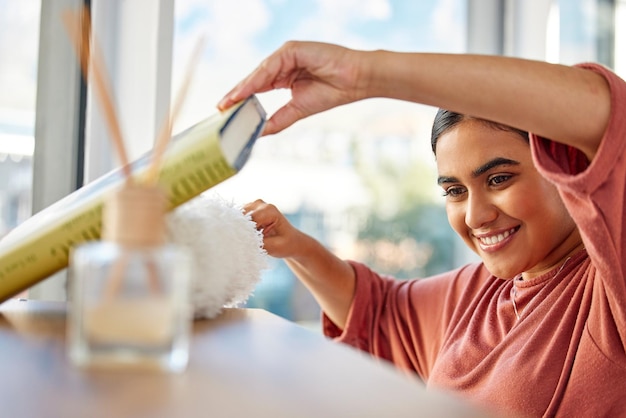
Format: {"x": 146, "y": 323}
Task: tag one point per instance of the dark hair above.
{"x": 446, "y": 120}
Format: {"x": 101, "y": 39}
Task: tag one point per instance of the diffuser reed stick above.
{"x": 92, "y": 64}
{"x": 166, "y": 131}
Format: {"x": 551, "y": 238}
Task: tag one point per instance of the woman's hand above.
{"x": 320, "y": 76}
{"x": 280, "y": 238}
{"x": 330, "y": 279}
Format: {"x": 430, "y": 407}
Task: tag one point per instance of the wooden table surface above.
{"x": 246, "y": 362}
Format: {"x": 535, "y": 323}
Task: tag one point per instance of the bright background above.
{"x": 360, "y": 178}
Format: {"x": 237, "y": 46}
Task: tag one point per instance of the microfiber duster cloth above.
{"x": 227, "y": 251}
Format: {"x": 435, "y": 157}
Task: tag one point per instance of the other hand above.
{"x": 280, "y": 238}
{"x": 320, "y": 76}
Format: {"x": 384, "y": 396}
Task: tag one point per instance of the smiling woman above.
{"x": 546, "y": 304}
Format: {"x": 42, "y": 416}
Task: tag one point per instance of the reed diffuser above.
{"x": 130, "y": 291}
{"x": 130, "y": 301}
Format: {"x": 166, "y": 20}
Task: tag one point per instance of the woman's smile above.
{"x": 490, "y": 242}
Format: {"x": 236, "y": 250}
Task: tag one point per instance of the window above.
{"x": 587, "y": 31}
{"x": 360, "y": 179}
{"x": 18, "y": 79}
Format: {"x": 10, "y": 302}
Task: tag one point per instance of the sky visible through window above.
{"x": 236, "y": 41}
{"x": 309, "y": 170}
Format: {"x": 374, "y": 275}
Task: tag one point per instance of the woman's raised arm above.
{"x": 566, "y": 104}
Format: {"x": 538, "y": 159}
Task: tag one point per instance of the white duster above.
{"x": 227, "y": 251}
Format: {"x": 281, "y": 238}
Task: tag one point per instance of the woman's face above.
{"x": 498, "y": 203}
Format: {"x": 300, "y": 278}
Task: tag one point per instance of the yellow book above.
{"x": 197, "y": 159}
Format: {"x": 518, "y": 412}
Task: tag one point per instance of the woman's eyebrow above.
{"x": 496, "y": 162}
{"x": 444, "y": 179}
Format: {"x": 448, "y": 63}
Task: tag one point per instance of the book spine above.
{"x": 193, "y": 163}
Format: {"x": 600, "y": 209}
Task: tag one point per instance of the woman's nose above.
{"x": 479, "y": 211}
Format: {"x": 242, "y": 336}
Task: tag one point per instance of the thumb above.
{"x": 282, "y": 119}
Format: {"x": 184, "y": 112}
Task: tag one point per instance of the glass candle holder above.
{"x": 130, "y": 307}
{"x": 130, "y": 293}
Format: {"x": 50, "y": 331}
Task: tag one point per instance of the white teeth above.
{"x": 494, "y": 239}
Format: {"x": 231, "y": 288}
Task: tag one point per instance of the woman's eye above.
{"x": 454, "y": 191}
{"x": 499, "y": 179}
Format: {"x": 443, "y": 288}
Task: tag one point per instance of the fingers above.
{"x": 263, "y": 214}
{"x": 246, "y": 88}
{"x": 278, "y": 71}
{"x": 280, "y": 238}
{"x": 264, "y": 78}
{"x": 249, "y": 207}
{"x": 271, "y": 223}
{"x": 282, "y": 119}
